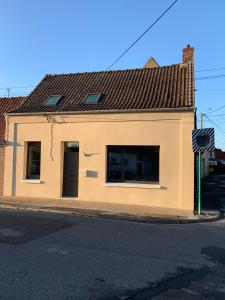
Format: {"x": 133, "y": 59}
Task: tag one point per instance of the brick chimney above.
{"x": 188, "y": 54}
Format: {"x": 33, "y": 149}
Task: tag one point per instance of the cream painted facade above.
{"x": 169, "y": 130}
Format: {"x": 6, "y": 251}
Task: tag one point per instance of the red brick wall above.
{"x": 219, "y": 154}
{"x": 2, "y": 162}
{"x": 188, "y": 54}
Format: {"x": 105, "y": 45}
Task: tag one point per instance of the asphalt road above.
{"x": 51, "y": 256}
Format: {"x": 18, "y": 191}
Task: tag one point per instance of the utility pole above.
{"x": 201, "y": 119}
{"x": 200, "y": 171}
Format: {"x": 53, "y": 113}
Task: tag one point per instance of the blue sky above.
{"x": 69, "y": 36}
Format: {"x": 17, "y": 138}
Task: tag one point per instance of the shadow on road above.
{"x": 18, "y": 228}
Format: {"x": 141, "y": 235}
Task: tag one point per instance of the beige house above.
{"x": 117, "y": 136}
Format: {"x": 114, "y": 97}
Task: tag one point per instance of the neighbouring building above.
{"x": 6, "y": 105}
{"x": 120, "y": 137}
{"x": 217, "y": 154}
{"x": 216, "y": 160}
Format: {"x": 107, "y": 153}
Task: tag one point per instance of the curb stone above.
{"x": 112, "y": 215}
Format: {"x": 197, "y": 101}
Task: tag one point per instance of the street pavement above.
{"x": 56, "y": 256}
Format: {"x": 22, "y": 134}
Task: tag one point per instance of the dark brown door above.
{"x": 70, "y": 170}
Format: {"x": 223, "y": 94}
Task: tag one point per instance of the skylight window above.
{"x": 53, "y": 100}
{"x": 93, "y": 98}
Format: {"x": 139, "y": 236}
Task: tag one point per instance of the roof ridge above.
{"x": 141, "y": 88}
{"x": 111, "y": 71}
{"x": 14, "y": 97}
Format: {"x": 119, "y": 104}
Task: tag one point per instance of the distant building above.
{"x": 216, "y": 158}
{"x": 219, "y": 154}
{"x": 6, "y": 105}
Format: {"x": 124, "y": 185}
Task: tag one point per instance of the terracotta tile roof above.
{"x": 135, "y": 89}
{"x": 6, "y": 105}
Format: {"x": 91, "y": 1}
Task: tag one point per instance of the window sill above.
{"x": 35, "y": 181}
{"x": 134, "y": 185}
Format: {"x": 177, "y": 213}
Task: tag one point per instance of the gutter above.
{"x": 115, "y": 111}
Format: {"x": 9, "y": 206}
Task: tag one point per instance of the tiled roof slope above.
{"x": 136, "y": 89}
{"x": 6, "y": 105}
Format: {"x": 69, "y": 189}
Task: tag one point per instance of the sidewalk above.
{"x": 101, "y": 209}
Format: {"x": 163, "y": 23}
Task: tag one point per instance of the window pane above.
{"x": 114, "y": 164}
{"x": 141, "y": 163}
{"x": 133, "y": 164}
{"x": 53, "y": 100}
{"x": 92, "y": 98}
{"x": 33, "y": 160}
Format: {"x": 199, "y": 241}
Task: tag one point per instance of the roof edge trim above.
{"x": 180, "y": 109}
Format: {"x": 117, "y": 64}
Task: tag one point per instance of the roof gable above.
{"x": 151, "y": 63}
{"x": 167, "y": 87}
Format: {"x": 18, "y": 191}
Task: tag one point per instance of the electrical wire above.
{"x": 206, "y": 90}
{"x": 216, "y": 110}
{"x": 14, "y": 95}
{"x": 209, "y": 70}
{"x": 218, "y": 122}
{"x": 222, "y": 115}
{"x": 210, "y": 77}
{"x": 221, "y": 129}
{"x": 131, "y": 46}
{"x": 17, "y": 87}
{"x": 15, "y": 91}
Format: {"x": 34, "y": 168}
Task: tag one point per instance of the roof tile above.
{"x": 139, "y": 89}
{"x": 6, "y": 105}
